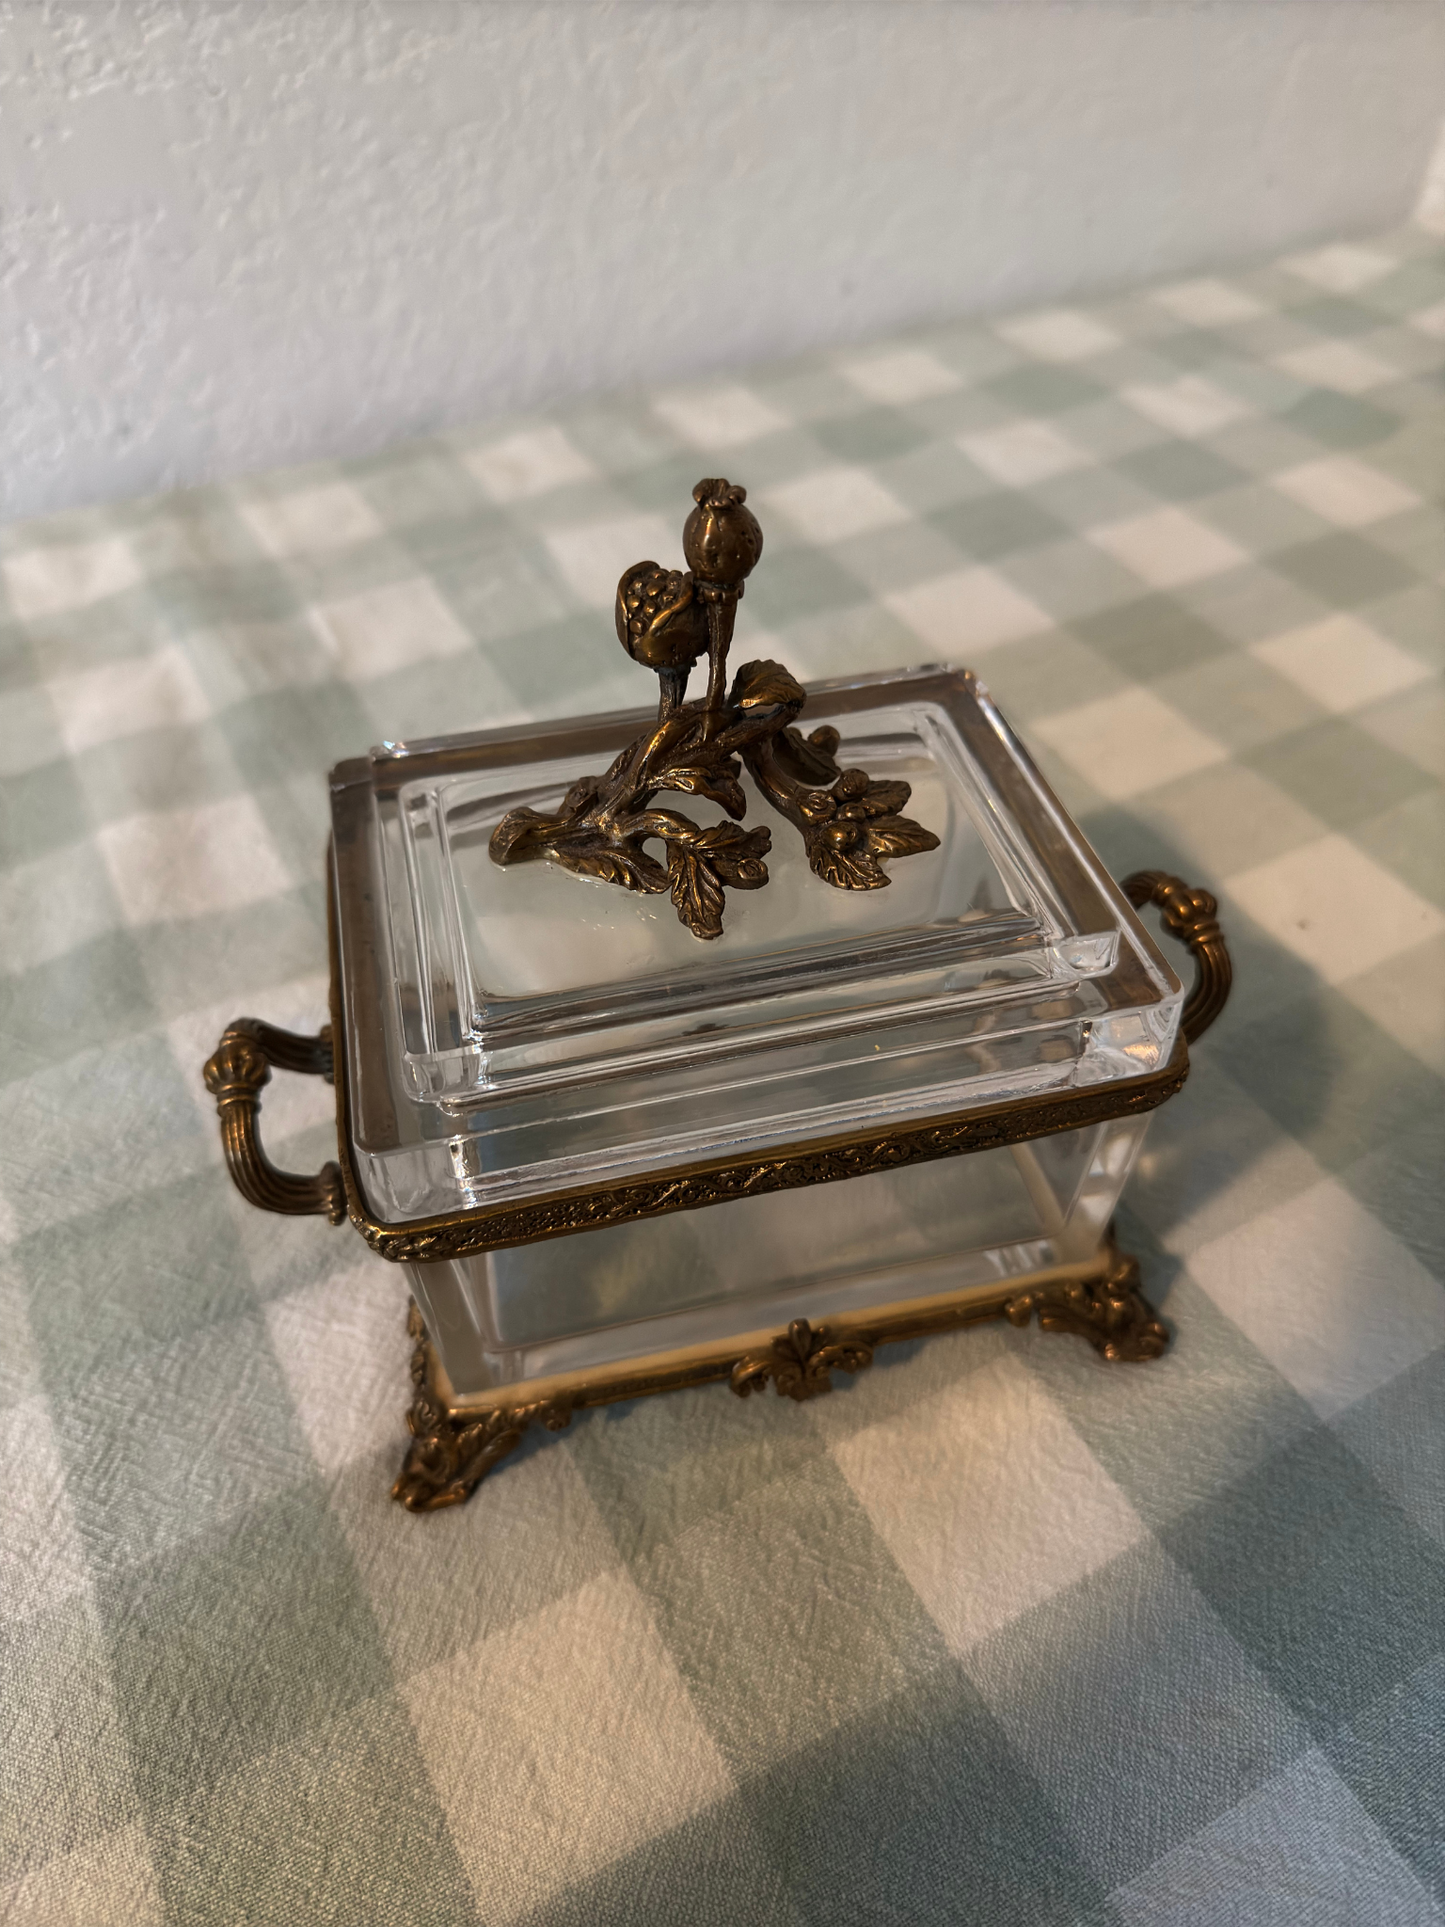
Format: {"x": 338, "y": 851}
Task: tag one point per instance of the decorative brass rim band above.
{"x": 426, "y": 1240}
{"x": 240, "y": 1066}
{"x": 453, "y": 1447}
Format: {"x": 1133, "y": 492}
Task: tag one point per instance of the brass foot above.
{"x": 801, "y": 1362}
{"x": 446, "y": 1461}
{"x": 1111, "y": 1312}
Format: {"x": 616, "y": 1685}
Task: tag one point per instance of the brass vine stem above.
{"x": 722, "y": 611}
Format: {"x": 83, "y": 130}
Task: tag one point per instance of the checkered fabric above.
{"x": 997, "y": 1633}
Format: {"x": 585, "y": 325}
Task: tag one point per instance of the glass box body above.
{"x": 733, "y": 1273}
{"x": 525, "y": 1048}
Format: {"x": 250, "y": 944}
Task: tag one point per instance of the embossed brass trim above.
{"x": 234, "y": 1074}
{"x": 455, "y": 1443}
{"x": 460, "y": 1234}
{"x": 1189, "y": 915}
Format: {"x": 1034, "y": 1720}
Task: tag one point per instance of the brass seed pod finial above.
{"x": 658, "y": 621}
{"x": 721, "y": 538}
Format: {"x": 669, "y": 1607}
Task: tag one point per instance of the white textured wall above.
{"x": 241, "y": 234}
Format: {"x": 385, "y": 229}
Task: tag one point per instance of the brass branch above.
{"x": 666, "y": 620}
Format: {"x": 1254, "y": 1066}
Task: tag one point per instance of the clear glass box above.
{"x": 520, "y": 1044}
{"x": 731, "y": 1273}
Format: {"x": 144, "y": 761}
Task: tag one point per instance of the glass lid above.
{"x": 529, "y": 975}
{"x": 524, "y": 1016}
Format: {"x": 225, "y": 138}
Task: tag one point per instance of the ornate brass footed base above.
{"x": 450, "y": 1456}
{"x": 1111, "y": 1312}
{"x": 454, "y": 1448}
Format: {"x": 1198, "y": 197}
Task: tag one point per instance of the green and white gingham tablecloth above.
{"x": 997, "y": 1633}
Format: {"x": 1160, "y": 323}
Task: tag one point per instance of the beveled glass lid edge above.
{"x": 393, "y": 763}
{"x": 854, "y": 1154}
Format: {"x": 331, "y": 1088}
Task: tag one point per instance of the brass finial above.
{"x": 666, "y": 620}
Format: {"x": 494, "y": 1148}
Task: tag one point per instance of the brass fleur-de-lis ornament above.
{"x": 666, "y": 620}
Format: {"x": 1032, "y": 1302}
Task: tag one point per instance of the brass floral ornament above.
{"x": 850, "y": 824}
{"x": 801, "y": 1362}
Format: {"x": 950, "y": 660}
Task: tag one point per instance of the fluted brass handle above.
{"x": 1189, "y": 915}
{"x": 234, "y": 1076}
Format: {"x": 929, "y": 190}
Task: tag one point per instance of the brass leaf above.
{"x": 899, "y": 836}
{"x": 879, "y": 799}
{"x": 696, "y": 890}
{"x": 762, "y": 684}
{"x": 737, "y": 855}
{"x": 613, "y": 863}
{"x": 852, "y": 869}
{"x": 522, "y": 832}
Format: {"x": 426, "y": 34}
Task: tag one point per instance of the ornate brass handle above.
{"x": 234, "y": 1076}
{"x": 1188, "y": 914}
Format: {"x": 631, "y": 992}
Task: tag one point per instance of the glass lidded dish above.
{"x": 615, "y": 1159}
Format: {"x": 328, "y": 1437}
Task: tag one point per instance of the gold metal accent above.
{"x": 1111, "y": 1312}
{"x": 456, "y": 1442}
{"x": 801, "y": 1362}
{"x": 1189, "y": 915}
{"x": 665, "y": 620}
{"x": 234, "y": 1074}
{"x": 448, "y": 1456}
